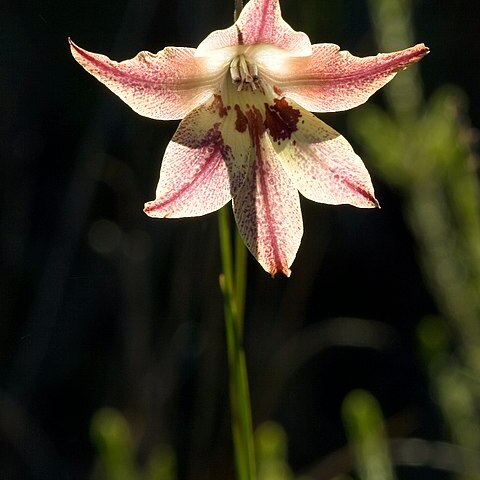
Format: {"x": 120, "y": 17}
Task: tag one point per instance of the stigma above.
{"x": 244, "y": 73}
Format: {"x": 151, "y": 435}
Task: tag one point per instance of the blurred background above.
{"x": 112, "y": 355}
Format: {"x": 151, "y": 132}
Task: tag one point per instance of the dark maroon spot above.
{"x": 251, "y": 119}
{"x": 218, "y": 106}
{"x": 210, "y": 142}
{"x": 241, "y": 121}
{"x": 256, "y": 126}
{"x": 281, "y": 119}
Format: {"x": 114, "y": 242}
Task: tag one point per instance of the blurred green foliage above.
{"x": 367, "y": 437}
{"x": 455, "y": 391}
{"x": 271, "y": 450}
{"x": 113, "y": 439}
{"x": 423, "y": 149}
{"x": 116, "y": 448}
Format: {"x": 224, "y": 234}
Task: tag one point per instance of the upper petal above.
{"x": 267, "y": 206}
{"x": 203, "y": 164}
{"x": 164, "y": 86}
{"x": 331, "y": 80}
{"x": 260, "y": 22}
{"x": 319, "y": 161}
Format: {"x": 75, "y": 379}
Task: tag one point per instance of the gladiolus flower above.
{"x": 247, "y": 134}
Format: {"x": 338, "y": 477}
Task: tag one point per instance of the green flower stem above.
{"x": 240, "y": 278}
{"x": 238, "y": 9}
{"x": 233, "y": 285}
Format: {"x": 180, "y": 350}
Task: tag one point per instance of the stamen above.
{"x": 234, "y": 71}
{"x": 243, "y": 73}
{"x": 246, "y": 77}
{"x": 253, "y": 69}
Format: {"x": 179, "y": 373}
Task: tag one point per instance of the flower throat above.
{"x": 244, "y": 74}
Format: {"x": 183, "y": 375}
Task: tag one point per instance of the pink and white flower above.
{"x": 247, "y": 134}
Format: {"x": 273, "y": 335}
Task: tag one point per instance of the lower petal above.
{"x": 267, "y": 211}
{"x": 199, "y": 170}
{"x": 323, "y": 165}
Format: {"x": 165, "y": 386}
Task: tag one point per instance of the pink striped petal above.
{"x": 164, "y": 86}
{"x": 331, "y": 80}
{"x": 320, "y": 162}
{"x": 267, "y": 207}
{"x": 260, "y": 22}
{"x": 199, "y": 170}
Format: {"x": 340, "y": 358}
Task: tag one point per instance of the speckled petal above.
{"x": 267, "y": 211}
{"x": 260, "y": 22}
{"x": 323, "y": 166}
{"x": 164, "y": 86}
{"x": 331, "y": 80}
{"x": 199, "y": 170}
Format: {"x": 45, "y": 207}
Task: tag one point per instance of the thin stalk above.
{"x": 226, "y": 252}
{"x": 232, "y": 284}
{"x": 240, "y": 278}
{"x": 238, "y": 9}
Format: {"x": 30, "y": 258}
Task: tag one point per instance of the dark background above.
{"x": 104, "y": 306}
